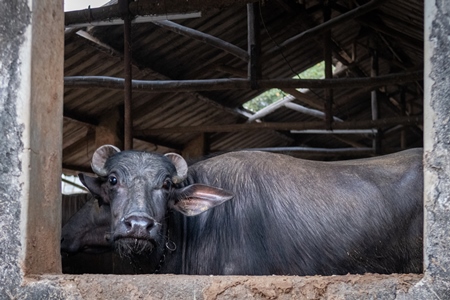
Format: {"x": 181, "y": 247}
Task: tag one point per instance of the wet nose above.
{"x": 138, "y": 224}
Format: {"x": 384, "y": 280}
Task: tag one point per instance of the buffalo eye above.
{"x": 112, "y": 180}
{"x": 167, "y": 184}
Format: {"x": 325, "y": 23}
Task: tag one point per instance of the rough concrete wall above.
{"x": 24, "y": 98}
{"x": 436, "y": 283}
{"x": 12, "y": 36}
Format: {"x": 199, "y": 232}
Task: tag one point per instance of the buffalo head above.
{"x": 141, "y": 188}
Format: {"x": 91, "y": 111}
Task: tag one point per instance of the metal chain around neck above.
{"x": 168, "y": 246}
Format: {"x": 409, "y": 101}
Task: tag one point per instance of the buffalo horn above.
{"x": 181, "y": 166}
{"x": 100, "y": 156}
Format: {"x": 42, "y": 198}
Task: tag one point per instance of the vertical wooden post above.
{"x": 31, "y": 113}
{"x": 374, "y": 103}
{"x": 253, "y": 44}
{"x": 128, "y": 119}
{"x": 110, "y": 129}
{"x": 403, "y": 107}
{"x": 328, "y": 69}
{"x": 196, "y": 148}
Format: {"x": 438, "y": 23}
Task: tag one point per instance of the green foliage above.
{"x": 273, "y": 95}
{"x": 263, "y": 100}
{"x": 315, "y": 72}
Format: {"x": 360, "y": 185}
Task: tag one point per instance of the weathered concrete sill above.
{"x": 371, "y": 286}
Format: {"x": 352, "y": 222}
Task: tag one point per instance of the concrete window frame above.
{"x": 31, "y": 96}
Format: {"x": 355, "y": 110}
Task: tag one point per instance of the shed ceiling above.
{"x": 291, "y": 41}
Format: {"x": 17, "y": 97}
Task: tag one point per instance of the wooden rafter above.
{"x": 319, "y": 29}
{"x": 286, "y": 126}
{"x": 204, "y": 38}
{"x": 152, "y": 86}
{"x": 143, "y": 8}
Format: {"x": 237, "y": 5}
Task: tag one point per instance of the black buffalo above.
{"x": 87, "y": 247}
{"x": 88, "y": 229}
{"x": 261, "y": 213}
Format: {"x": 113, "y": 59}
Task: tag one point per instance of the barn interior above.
{"x": 176, "y": 76}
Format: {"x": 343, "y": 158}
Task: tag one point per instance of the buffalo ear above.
{"x": 197, "y": 198}
{"x": 93, "y": 184}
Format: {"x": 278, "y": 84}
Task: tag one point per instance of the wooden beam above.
{"x": 73, "y": 153}
{"x": 153, "y": 140}
{"x": 231, "y": 70}
{"x": 159, "y": 142}
{"x": 196, "y": 148}
{"x": 359, "y": 11}
{"x": 152, "y": 86}
{"x": 292, "y": 7}
{"x": 348, "y": 141}
{"x": 110, "y": 129}
{"x": 366, "y": 124}
{"x": 144, "y": 8}
{"x": 81, "y": 118}
{"x": 112, "y": 52}
{"x": 94, "y": 42}
{"x": 305, "y": 98}
{"x": 204, "y": 38}
{"x": 397, "y": 35}
{"x": 348, "y": 151}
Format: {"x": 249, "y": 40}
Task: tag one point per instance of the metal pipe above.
{"x": 271, "y": 108}
{"x": 336, "y": 131}
{"x": 309, "y": 111}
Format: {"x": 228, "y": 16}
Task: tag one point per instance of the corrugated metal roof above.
{"x": 394, "y": 30}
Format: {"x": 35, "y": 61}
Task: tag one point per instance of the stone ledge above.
{"x": 369, "y": 286}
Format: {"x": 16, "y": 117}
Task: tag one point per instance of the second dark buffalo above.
{"x": 88, "y": 229}
{"x": 259, "y": 213}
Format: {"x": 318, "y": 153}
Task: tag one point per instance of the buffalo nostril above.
{"x": 137, "y": 223}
